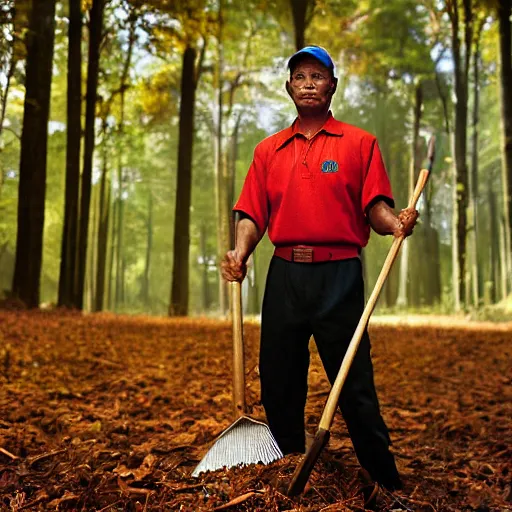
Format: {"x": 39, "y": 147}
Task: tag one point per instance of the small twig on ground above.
{"x": 8, "y": 453}
{"x": 176, "y": 488}
{"x": 108, "y": 506}
{"x": 240, "y": 499}
{"x": 39, "y": 458}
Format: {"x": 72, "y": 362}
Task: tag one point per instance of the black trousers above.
{"x": 325, "y": 300}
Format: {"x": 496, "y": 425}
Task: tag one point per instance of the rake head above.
{"x": 246, "y": 441}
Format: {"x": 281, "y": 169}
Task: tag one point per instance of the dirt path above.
{"x": 112, "y": 413}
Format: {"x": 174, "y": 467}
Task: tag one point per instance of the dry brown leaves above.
{"x": 105, "y": 413}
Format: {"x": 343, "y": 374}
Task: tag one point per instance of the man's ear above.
{"x": 334, "y": 85}
{"x": 288, "y": 89}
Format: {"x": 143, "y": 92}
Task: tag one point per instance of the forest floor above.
{"x": 106, "y": 413}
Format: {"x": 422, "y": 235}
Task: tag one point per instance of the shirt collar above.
{"x": 331, "y": 126}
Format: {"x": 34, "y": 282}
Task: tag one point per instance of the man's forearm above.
{"x": 247, "y": 237}
{"x": 383, "y": 219}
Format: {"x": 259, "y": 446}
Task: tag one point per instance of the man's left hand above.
{"x": 406, "y": 221}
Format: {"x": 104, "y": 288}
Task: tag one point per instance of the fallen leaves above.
{"x": 105, "y": 413}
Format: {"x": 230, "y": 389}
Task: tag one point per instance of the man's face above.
{"x": 311, "y": 85}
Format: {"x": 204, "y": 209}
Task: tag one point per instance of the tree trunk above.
{"x": 231, "y": 178}
{"x": 204, "y": 270}
{"x": 91, "y": 255}
{"x": 505, "y": 59}
{"x": 120, "y": 256}
{"x": 8, "y": 74}
{"x": 301, "y": 12}
{"x": 149, "y": 249}
{"x": 34, "y": 140}
{"x": 73, "y": 137}
{"x": 95, "y": 35}
{"x": 120, "y": 230}
{"x": 220, "y": 166}
{"x": 473, "y": 178}
{"x": 404, "y": 290}
{"x": 494, "y": 241}
{"x": 503, "y": 259}
{"x": 111, "y": 256}
{"x": 179, "y": 289}
{"x": 461, "y": 68}
{"x": 103, "y": 222}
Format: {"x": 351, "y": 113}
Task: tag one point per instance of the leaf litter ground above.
{"x": 108, "y": 413}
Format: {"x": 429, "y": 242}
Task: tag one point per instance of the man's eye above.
{"x": 299, "y": 77}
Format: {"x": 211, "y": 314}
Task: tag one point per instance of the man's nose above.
{"x": 308, "y": 82}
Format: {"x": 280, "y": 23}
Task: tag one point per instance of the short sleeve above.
{"x": 376, "y": 184}
{"x": 253, "y": 200}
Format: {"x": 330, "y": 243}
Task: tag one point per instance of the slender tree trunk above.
{"x": 473, "y": 177}
{"x": 103, "y": 222}
{"x": 205, "y": 265}
{"x": 180, "y": 272}
{"x": 91, "y": 255}
{"x": 95, "y": 35}
{"x": 4, "y": 90}
{"x": 34, "y": 140}
{"x": 402, "y": 299}
{"x": 301, "y": 11}
{"x": 149, "y": 250}
{"x": 461, "y": 193}
{"x": 494, "y": 241}
{"x": 123, "y": 280}
{"x": 73, "y": 137}
{"x": 505, "y": 60}
{"x": 221, "y": 185}
{"x": 120, "y": 230}
{"x": 120, "y": 256}
{"x": 111, "y": 256}
{"x": 503, "y": 259}
{"x": 231, "y": 179}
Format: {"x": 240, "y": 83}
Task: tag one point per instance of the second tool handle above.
{"x": 332, "y": 401}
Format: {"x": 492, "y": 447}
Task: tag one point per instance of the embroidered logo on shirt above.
{"x": 330, "y": 166}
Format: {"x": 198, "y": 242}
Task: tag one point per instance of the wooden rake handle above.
{"x": 238, "y": 350}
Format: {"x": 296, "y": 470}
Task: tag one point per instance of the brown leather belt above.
{"x": 317, "y": 253}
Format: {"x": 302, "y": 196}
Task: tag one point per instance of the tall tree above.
{"x": 414, "y": 167}
{"x": 474, "y": 292}
{"x": 103, "y": 222}
{"x": 132, "y": 37}
{"x": 302, "y": 13}
{"x": 179, "y": 290}
{"x": 505, "y": 60}
{"x": 221, "y": 161}
{"x": 461, "y": 45}
{"x": 34, "y": 139}
{"x": 95, "y": 36}
{"x": 73, "y": 138}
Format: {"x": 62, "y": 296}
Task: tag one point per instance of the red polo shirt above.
{"x": 315, "y": 192}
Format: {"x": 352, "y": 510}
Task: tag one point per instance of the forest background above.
{"x": 127, "y": 128}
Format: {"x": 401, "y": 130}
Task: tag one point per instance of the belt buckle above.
{"x": 302, "y": 254}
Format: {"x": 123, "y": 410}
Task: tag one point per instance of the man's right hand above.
{"x": 232, "y": 267}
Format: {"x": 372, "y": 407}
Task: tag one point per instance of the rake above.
{"x": 246, "y": 440}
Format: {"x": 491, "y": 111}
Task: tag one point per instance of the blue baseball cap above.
{"x": 316, "y": 52}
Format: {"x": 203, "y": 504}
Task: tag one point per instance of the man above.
{"x": 317, "y": 186}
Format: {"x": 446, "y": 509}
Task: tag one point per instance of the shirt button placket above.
{"x": 305, "y": 172}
